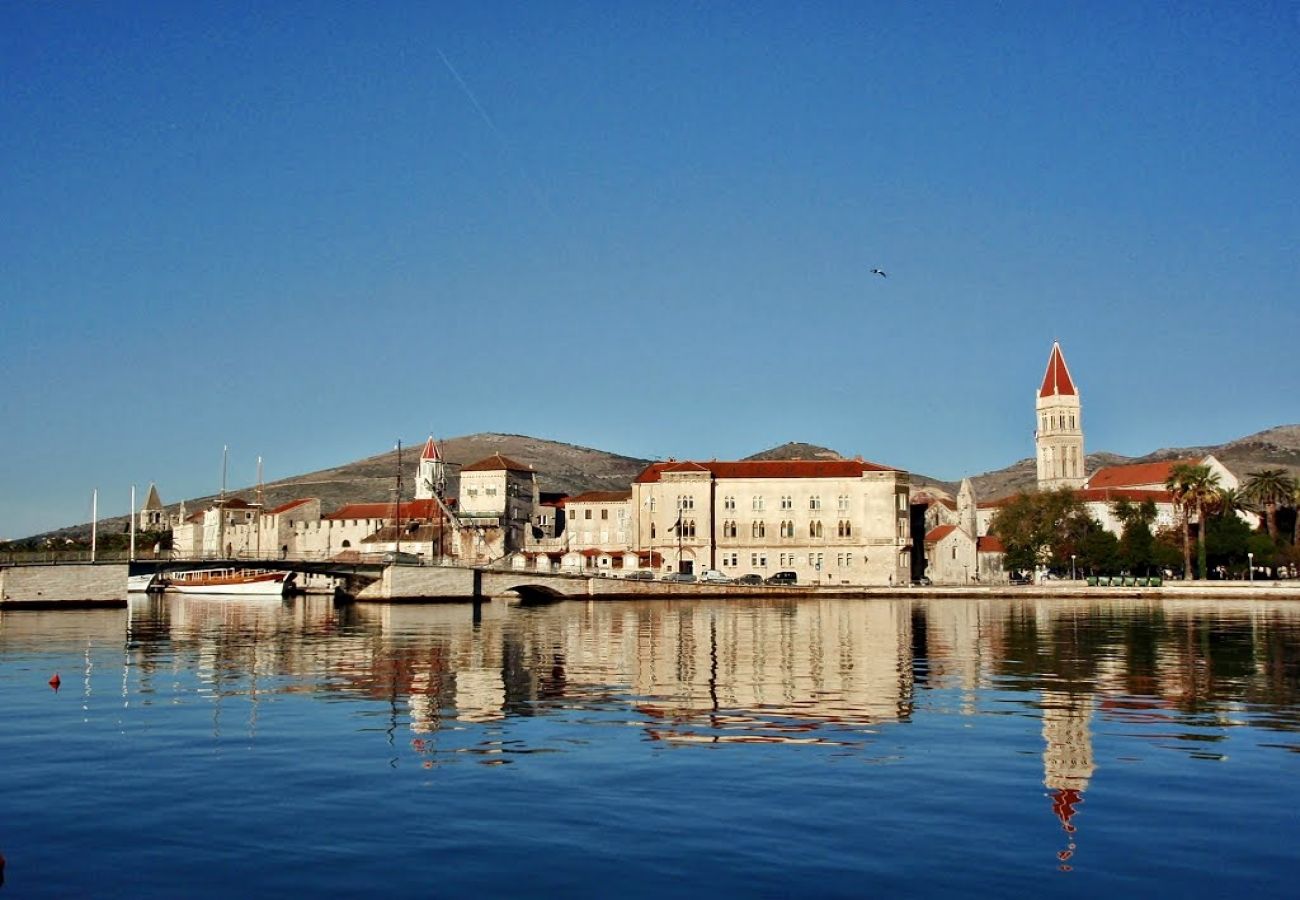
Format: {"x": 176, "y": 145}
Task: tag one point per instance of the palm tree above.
{"x": 1230, "y": 500}
{"x": 1195, "y": 487}
{"x": 1270, "y": 488}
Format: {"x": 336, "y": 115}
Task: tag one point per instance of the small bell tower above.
{"x": 431, "y": 478}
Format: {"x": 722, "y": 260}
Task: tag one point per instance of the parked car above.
{"x": 783, "y": 578}
{"x": 751, "y": 578}
{"x": 684, "y": 577}
{"x": 402, "y": 559}
{"x": 640, "y": 575}
{"x": 713, "y": 576}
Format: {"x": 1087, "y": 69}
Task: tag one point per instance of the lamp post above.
{"x": 1251, "y": 558}
{"x": 1072, "y": 575}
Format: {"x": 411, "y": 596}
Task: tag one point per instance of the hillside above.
{"x": 563, "y": 468}
{"x": 570, "y": 469}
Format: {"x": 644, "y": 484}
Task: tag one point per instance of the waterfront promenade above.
{"x": 104, "y": 583}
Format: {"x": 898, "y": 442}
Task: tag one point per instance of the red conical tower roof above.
{"x": 1057, "y": 378}
{"x": 430, "y": 450}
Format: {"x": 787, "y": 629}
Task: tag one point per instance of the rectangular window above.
{"x": 604, "y": 515}
{"x": 586, "y": 514}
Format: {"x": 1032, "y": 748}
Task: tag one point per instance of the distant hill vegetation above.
{"x": 571, "y": 469}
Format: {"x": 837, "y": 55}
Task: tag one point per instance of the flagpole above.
{"x": 94, "y": 522}
{"x": 132, "y": 517}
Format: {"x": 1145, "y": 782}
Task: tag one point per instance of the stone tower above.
{"x": 967, "y": 517}
{"x": 151, "y": 514}
{"x": 431, "y": 478}
{"x": 1059, "y": 436}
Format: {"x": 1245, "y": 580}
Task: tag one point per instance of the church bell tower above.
{"x": 1058, "y": 439}
{"x": 431, "y": 478}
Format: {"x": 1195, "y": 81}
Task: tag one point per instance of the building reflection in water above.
{"x": 1174, "y": 674}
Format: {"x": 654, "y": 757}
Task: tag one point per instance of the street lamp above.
{"x": 1072, "y": 577}
{"x": 1251, "y": 557}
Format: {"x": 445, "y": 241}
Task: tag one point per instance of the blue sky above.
{"x": 306, "y": 230}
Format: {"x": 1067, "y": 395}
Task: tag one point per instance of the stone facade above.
{"x": 829, "y": 521}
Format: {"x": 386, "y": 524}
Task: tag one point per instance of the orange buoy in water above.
{"x": 56, "y": 681}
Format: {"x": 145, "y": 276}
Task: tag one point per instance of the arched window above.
{"x": 815, "y": 529}
{"x": 347, "y": 544}
{"x": 758, "y": 530}
{"x": 848, "y": 528}
{"x": 652, "y": 529}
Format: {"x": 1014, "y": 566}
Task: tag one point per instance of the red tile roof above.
{"x": 411, "y": 509}
{"x": 990, "y": 544}
{"x": 496, "y": 463}
{"x": 288, "y": 506}
{"x": 939, "y": 533}
{"x": 766, "y": 468}
{"x": 1057, "y": 378}
{"x": 600, "y": 497}
{"x": 430, "y": 450}
{"x": 1139, "y": 473}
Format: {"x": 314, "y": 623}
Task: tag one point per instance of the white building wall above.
{"x": 874, "y": 506}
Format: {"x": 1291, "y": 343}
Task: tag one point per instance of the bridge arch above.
{"x": 538, "y": 593}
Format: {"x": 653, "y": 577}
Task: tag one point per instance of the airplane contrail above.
{"x": 470, "y": 94}
{"x": 538, "y": 193}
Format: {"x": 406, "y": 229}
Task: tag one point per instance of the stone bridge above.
{"x": 454, "y": 583}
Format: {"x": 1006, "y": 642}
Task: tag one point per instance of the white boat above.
{"x": 138, "y": 584}
{"x": 241, "y": 582}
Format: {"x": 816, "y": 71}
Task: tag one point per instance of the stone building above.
{"x": 957, "y": 551}
{"x": 830, "y": 521}
{"x": 496, "y": 503}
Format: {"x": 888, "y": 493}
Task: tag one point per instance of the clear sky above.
{"x": 309, "y": 229}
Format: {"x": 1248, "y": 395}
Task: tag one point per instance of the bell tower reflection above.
{"x": 1067, "y": 759}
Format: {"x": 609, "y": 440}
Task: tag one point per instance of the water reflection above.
{"x": 449, "y": 681}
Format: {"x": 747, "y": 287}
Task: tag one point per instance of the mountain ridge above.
{"x": 572, "y": 469}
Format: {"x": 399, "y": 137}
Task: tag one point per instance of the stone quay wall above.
{"x": 86, "y": 584}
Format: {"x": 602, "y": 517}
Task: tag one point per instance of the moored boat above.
{"x": 242, "y": 582}
{"x": 138, "y": 584}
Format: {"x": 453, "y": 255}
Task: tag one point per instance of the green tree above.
{"x": 1268, "y": 489}
{"x": 1136, "y": 551}
{"x": 1194, "y": 487}
{"x": 1227, "y": 541}
{"x": 1044, "y": 529}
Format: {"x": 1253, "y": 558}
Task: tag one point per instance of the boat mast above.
{"x": 132, "y": 520}
{"x": 221, "y": 503}
{"x": 398, "y": 546}
{"x": 260, "y": 510}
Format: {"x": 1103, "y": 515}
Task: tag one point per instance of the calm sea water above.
{"x": 212, "y": 747}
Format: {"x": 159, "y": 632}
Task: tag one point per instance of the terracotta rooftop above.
{"x": 288, "y": 506}
{"x": 1137, "y": 474}
{"x": 496, "y": 463}
{"x": 990, "y": 544}
{"x": 766, "y": 468}
{"x": 1056, "y": 380}
{"x": 600, "y": 497}
{"x": 411, "y": 509}
{"x": 939, "y": 533}
{"x": 430, "y": 450}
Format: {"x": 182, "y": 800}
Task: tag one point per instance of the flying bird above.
{"x": 880, "y": 272}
